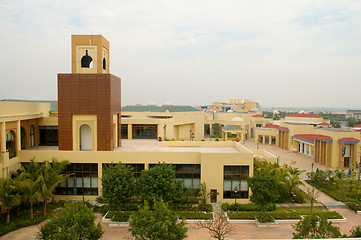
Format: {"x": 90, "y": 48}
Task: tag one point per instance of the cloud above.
{"x": 191, "y": 52}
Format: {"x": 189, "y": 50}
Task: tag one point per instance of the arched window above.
{"x": 10, "y": 144}
{"x": 104, "y": 64}
{"x": 31, "y": 136}
{"x": 86, "y": 60}
{"x": 85, "y": 138}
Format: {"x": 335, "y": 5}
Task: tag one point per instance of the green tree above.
{"x": 217, "y": 130}
{"x": 51, "y": 175}
{"x": 159, "y": 224}
{"x": 264, "y": 189}
{"x": 75, "y": 221}
{"x": 118, "y": 184}
{"x": 9, "y": 196}
{"x": 158, "y": 183}
{"x": 355, "y": 231}
{"x": 335, "y": 123}
{"x": 315, "y": 227}
{"x": 351, "y": 122}
{"x": 293, "y": 178}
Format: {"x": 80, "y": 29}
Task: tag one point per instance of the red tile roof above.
{"x": 349, "y": 140}
{"x": 306, "y": 115}
{"x": 311, "y": 137}
{"x": 358, "y": 130}
{"x": 324, "y": 124}
{"x": 357, "y": 126}
{"x": 257, "y": 115}
{"x": 270, "y": 125}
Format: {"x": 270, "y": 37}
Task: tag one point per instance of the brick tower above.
{"x": 89, "y": 99}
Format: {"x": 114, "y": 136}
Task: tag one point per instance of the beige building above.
{"x": 312, "y": 136}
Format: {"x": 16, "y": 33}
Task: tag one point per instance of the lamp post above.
{"x": 235, "y": 194}
{"x": 165, "y": 129}
{"x": 312, "y": 166}
{"x": 191, "y": 135}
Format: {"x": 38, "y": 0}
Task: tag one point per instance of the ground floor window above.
{"x": 189, "y": 174}
{"x": 144, "y": 131}
{"x": 48, "y": 135}
{"x": 124, "y": 131}
{"x": 137, "y": 168}
{"x": 83, "y": 180}
{"x": 274, "y": 141}
{"x": 235, "y": 183}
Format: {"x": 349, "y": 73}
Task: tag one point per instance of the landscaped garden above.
{"x": 339, "y": 185}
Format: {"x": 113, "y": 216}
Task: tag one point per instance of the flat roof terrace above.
{"x": 146, "y": 145}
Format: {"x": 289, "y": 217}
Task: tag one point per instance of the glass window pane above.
{"x": 244, "y": 185}
{"x": 94, "y": 167}
{"x": 227, "y": 170}
{"x": 227, "y": 185}
{"x": 87, "y": 180}
{"x": 78, "y": 167}
{"x": 86, "y": 167}
{"x": 245, "y": 170}
{"x": 236, "y": 170}
{"x": 188, "y": 183}
{"x": 63, "y": 184}
{"x": 179, "y": 176}
{"x": 235, "y": 182}
{"x": 196, "y": 183}
{"x": 78, "y": 180}
{"x": 71, "y": 181}
{"x": 94, "y": 181}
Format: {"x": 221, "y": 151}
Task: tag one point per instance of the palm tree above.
{"x": 51, "y": 176}
{"x": 9, "y": 196}
{"x": 31, "y": 190}
{"x": 293, "y": 178}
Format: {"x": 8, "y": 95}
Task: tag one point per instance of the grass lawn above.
{"x": 287, "y": 213}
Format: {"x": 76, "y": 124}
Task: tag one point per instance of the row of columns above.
{"x": 306, "y": 149}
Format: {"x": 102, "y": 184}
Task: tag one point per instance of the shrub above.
{"x": 225, "y": 207}
{"x": 284, "y": 215}
{"x": 195, "y": 215}
{"x": 329, "y": 215}
{"x": 241, "y": 215}
{"x": 356, "y": 231}
{"x": 205, "y": 207}
{"x": 265, "y": 217}
{"x": 250, "y": 207}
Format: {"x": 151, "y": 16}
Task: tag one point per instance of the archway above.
{"x": 85, "y": 138}
{"x": 10, "y": 144}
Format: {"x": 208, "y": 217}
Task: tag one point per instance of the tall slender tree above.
{"x": 9, "y": 196}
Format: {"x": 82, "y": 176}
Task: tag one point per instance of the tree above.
{"x": 159, "y": 224}
{"x": 293, "y": 178}
{"x": 218, "y": 228}
{"x": 75, "y": 221}
{"x": 315, "y": 227}
{"x": 158, "y": 183}
{"x": 9, "y": 196}
{"x": 264, "y": 189}
{"x": 355, "y": 231}
{"x": 118, "y": 184}
{"x": 204, "y": 194}
{"x": 312, "y": 195}
{"x": 335, "y": 123}
{"x": 51, "y": 175}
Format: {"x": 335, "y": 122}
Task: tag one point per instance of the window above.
{"x": 138, "y": 168}
{"x": 189, "y": 174}
{"x": 23, "y": 138}
{"x": 48, "y": 135}
{"x": 235, "y": 178}
{"x": 82, "y": 181}
{"x": 144, "y": 131}
{"x": 10, "y": 144}
{"x": 86, "y": 60}
{"x": 104, "y": 64}
{"x": 124, "y": 131}
{"x": 31, "y": 136}
{"x": 259, "y": 125}
{"x": 85, "y": 138}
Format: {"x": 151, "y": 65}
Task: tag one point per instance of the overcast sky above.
{"x": 191, "y": 52}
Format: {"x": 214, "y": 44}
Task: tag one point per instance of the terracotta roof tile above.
{"x": 349, "y": 140}
{"x": 257, "y": 115}
{"x": 312, "y": 137}
{"x": 357, "y": 126}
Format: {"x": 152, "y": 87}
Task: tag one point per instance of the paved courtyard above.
{"x": 242, "y": 230}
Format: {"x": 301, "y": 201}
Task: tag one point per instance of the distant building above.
{"x": 233, "y": 105}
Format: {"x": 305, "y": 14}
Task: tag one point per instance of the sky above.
{"x": 191, "y": 52}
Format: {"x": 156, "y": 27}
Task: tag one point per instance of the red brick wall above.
{"x": 97, "y": 94}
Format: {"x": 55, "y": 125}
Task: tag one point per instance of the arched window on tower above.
{"x": 10, "y": 144}
{"x": 86, "y": 60}
{"x": 85, "y": 138}
{"x": 104, "y": 64}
